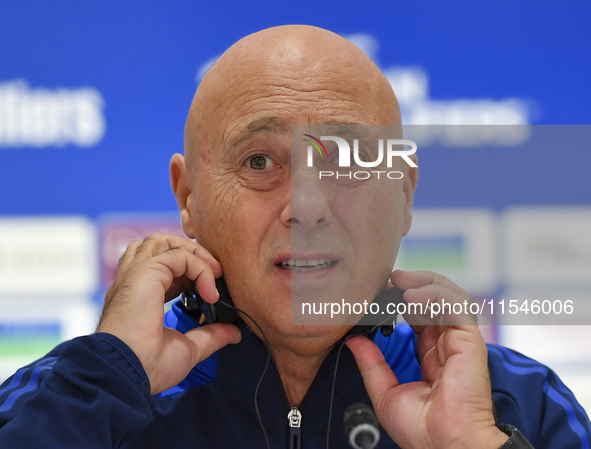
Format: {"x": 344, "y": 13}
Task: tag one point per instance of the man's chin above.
{"x": 316, "y": 336}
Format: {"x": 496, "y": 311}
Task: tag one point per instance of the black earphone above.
{"x": 213, "y": 313}
{"x": 226, "y": 311}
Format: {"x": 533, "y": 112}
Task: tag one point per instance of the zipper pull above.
{"x": 295, "y": 432}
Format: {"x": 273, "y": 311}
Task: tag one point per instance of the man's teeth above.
{"x": 306, "y": 264}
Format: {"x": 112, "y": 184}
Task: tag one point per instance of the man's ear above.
{"x": 410, "y": 185}
{"x": 181, "y": 186}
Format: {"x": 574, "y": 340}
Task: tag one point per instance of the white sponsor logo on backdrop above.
{"x": 48, "y": 255}
{"x": 548, "y": 245}
{"x": 41, "y": 117}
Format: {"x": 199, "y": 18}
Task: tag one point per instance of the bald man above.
{"x": 264, "y": 224}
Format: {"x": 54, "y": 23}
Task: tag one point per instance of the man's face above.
{"x": 261, "y": 212}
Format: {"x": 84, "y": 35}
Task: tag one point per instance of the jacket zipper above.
{"x": 295, "y": 432}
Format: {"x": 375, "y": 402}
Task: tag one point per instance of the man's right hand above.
{"x": 152, "y": 272}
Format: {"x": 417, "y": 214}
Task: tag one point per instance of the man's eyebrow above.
{"x": 269, "y": 124}
{"x": 339, "y": 122}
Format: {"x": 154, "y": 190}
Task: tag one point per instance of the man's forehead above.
{"x": 282, "y": 125}
{"x": 271, "y": 89}
{"x": 244, "y": 130}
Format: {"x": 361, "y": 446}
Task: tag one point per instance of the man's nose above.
{"x": 310, "y": 205}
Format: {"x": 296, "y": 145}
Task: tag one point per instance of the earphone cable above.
{"x": 256, "y": 392}
{"x": 334, "y": 380}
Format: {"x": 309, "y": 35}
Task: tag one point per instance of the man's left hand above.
{"x": 452, "y": 406}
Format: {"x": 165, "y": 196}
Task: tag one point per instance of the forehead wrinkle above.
{"x": 265, "y": 124}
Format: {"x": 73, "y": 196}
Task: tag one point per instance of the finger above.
{"x": 175, "y": 263}
{"x": 158, "y": 243}
{"x": 462, "y": 344}
{"x": 416, "y": 279}
{"x": 128, "y": 255}
{"x": 420, "y": 310}
{"x": 427, "y": 340}
{"x": 211, "y": 338}
{"x": 377, "y": 375}
{"x": 429, "y": 329}
{"x": 181, "y": 352}
{"x": 431, "y": 336}
{"x": 453, "y": 341}
{"x": 447, "y": 306}
{"x": 459, "y": 338}
{"x": 431, "y": 366}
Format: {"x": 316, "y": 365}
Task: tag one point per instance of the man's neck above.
{"x": 297, "y": 371}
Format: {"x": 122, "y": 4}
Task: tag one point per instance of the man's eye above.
{"x": 259, "y": 162}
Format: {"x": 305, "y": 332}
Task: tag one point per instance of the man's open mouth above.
{"x": 306, "y": 264}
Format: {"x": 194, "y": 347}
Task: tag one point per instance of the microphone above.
{"x": 361, "y": 426}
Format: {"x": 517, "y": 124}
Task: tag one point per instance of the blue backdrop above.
{"x": 124, "y": 74}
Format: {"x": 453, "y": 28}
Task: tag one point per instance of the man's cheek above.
{"x": 224, "y": 193}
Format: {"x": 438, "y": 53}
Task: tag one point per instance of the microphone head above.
{"x": 359, "y": 413}
{"x": 361, "y": 426}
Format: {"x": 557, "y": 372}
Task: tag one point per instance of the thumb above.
{"x": 377, "y": 375}
{"x": 211, "y": 338}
